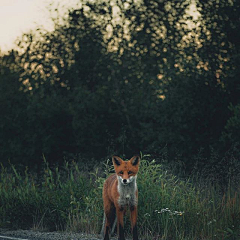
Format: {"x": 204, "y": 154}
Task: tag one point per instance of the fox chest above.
{"x": 127, "y": 196}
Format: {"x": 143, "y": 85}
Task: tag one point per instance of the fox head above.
{"x": 126, "y": 170}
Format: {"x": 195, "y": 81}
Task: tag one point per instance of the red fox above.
{"x": 119, "y": 193}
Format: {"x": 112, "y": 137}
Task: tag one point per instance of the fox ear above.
{"x": 116, "y": 160}
{"x": 135, "y": 160}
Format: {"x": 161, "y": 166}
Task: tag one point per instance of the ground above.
{"x": 35, "y": 235}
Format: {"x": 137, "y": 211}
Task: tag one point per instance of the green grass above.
{"x": 69, "y": 199}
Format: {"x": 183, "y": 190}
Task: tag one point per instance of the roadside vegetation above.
{"x": 69, "y": 199}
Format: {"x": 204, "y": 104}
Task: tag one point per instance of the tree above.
{"x": 13, "y": 109}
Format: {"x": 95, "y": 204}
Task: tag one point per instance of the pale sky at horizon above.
{"x": 19, "y": 16}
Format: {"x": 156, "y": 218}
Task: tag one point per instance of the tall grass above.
{"x": 70, "y": 199}
{"x": 53, "y": 201}
{"x": 176, "y": 209}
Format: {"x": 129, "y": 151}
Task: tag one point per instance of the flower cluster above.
{"x": 213, "y": 221}
{"x": 171, "y": 213}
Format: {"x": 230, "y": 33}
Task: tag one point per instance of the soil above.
{"x": 36, "y": 235}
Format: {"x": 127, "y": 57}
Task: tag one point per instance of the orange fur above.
{"x": 119, "y": 193}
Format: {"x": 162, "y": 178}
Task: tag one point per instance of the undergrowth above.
{"x": 68, "y": 199}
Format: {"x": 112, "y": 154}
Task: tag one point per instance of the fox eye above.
{"x": 121, "y": 172}
{"x": 130, "y": 172}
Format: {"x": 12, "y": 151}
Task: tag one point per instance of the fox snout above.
{"x": 126, "y": 181}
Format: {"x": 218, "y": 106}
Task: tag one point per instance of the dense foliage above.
{"x": 66, "y": 199}
{"x": 124, "y": 76}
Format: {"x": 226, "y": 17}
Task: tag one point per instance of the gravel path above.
{"x": 34, "y": 235}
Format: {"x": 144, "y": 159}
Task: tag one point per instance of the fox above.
{"x": 120, "y": 193}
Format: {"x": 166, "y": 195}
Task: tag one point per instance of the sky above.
{"x": 19, "y": 16}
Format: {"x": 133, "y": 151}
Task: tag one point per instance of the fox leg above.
{"x": 120, "y": 214}
{"x": 113, "y": 226}
{"x": 133, "y": 219}
{"x": 103, "y": 226}
{"x": 110, "y": 216}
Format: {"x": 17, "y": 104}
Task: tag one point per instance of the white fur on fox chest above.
{"x": 127, "y": 193}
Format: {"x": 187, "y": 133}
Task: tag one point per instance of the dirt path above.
{"x": 34, "y": 235}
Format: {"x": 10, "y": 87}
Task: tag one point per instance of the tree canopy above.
{"x": 122, "y": 77}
